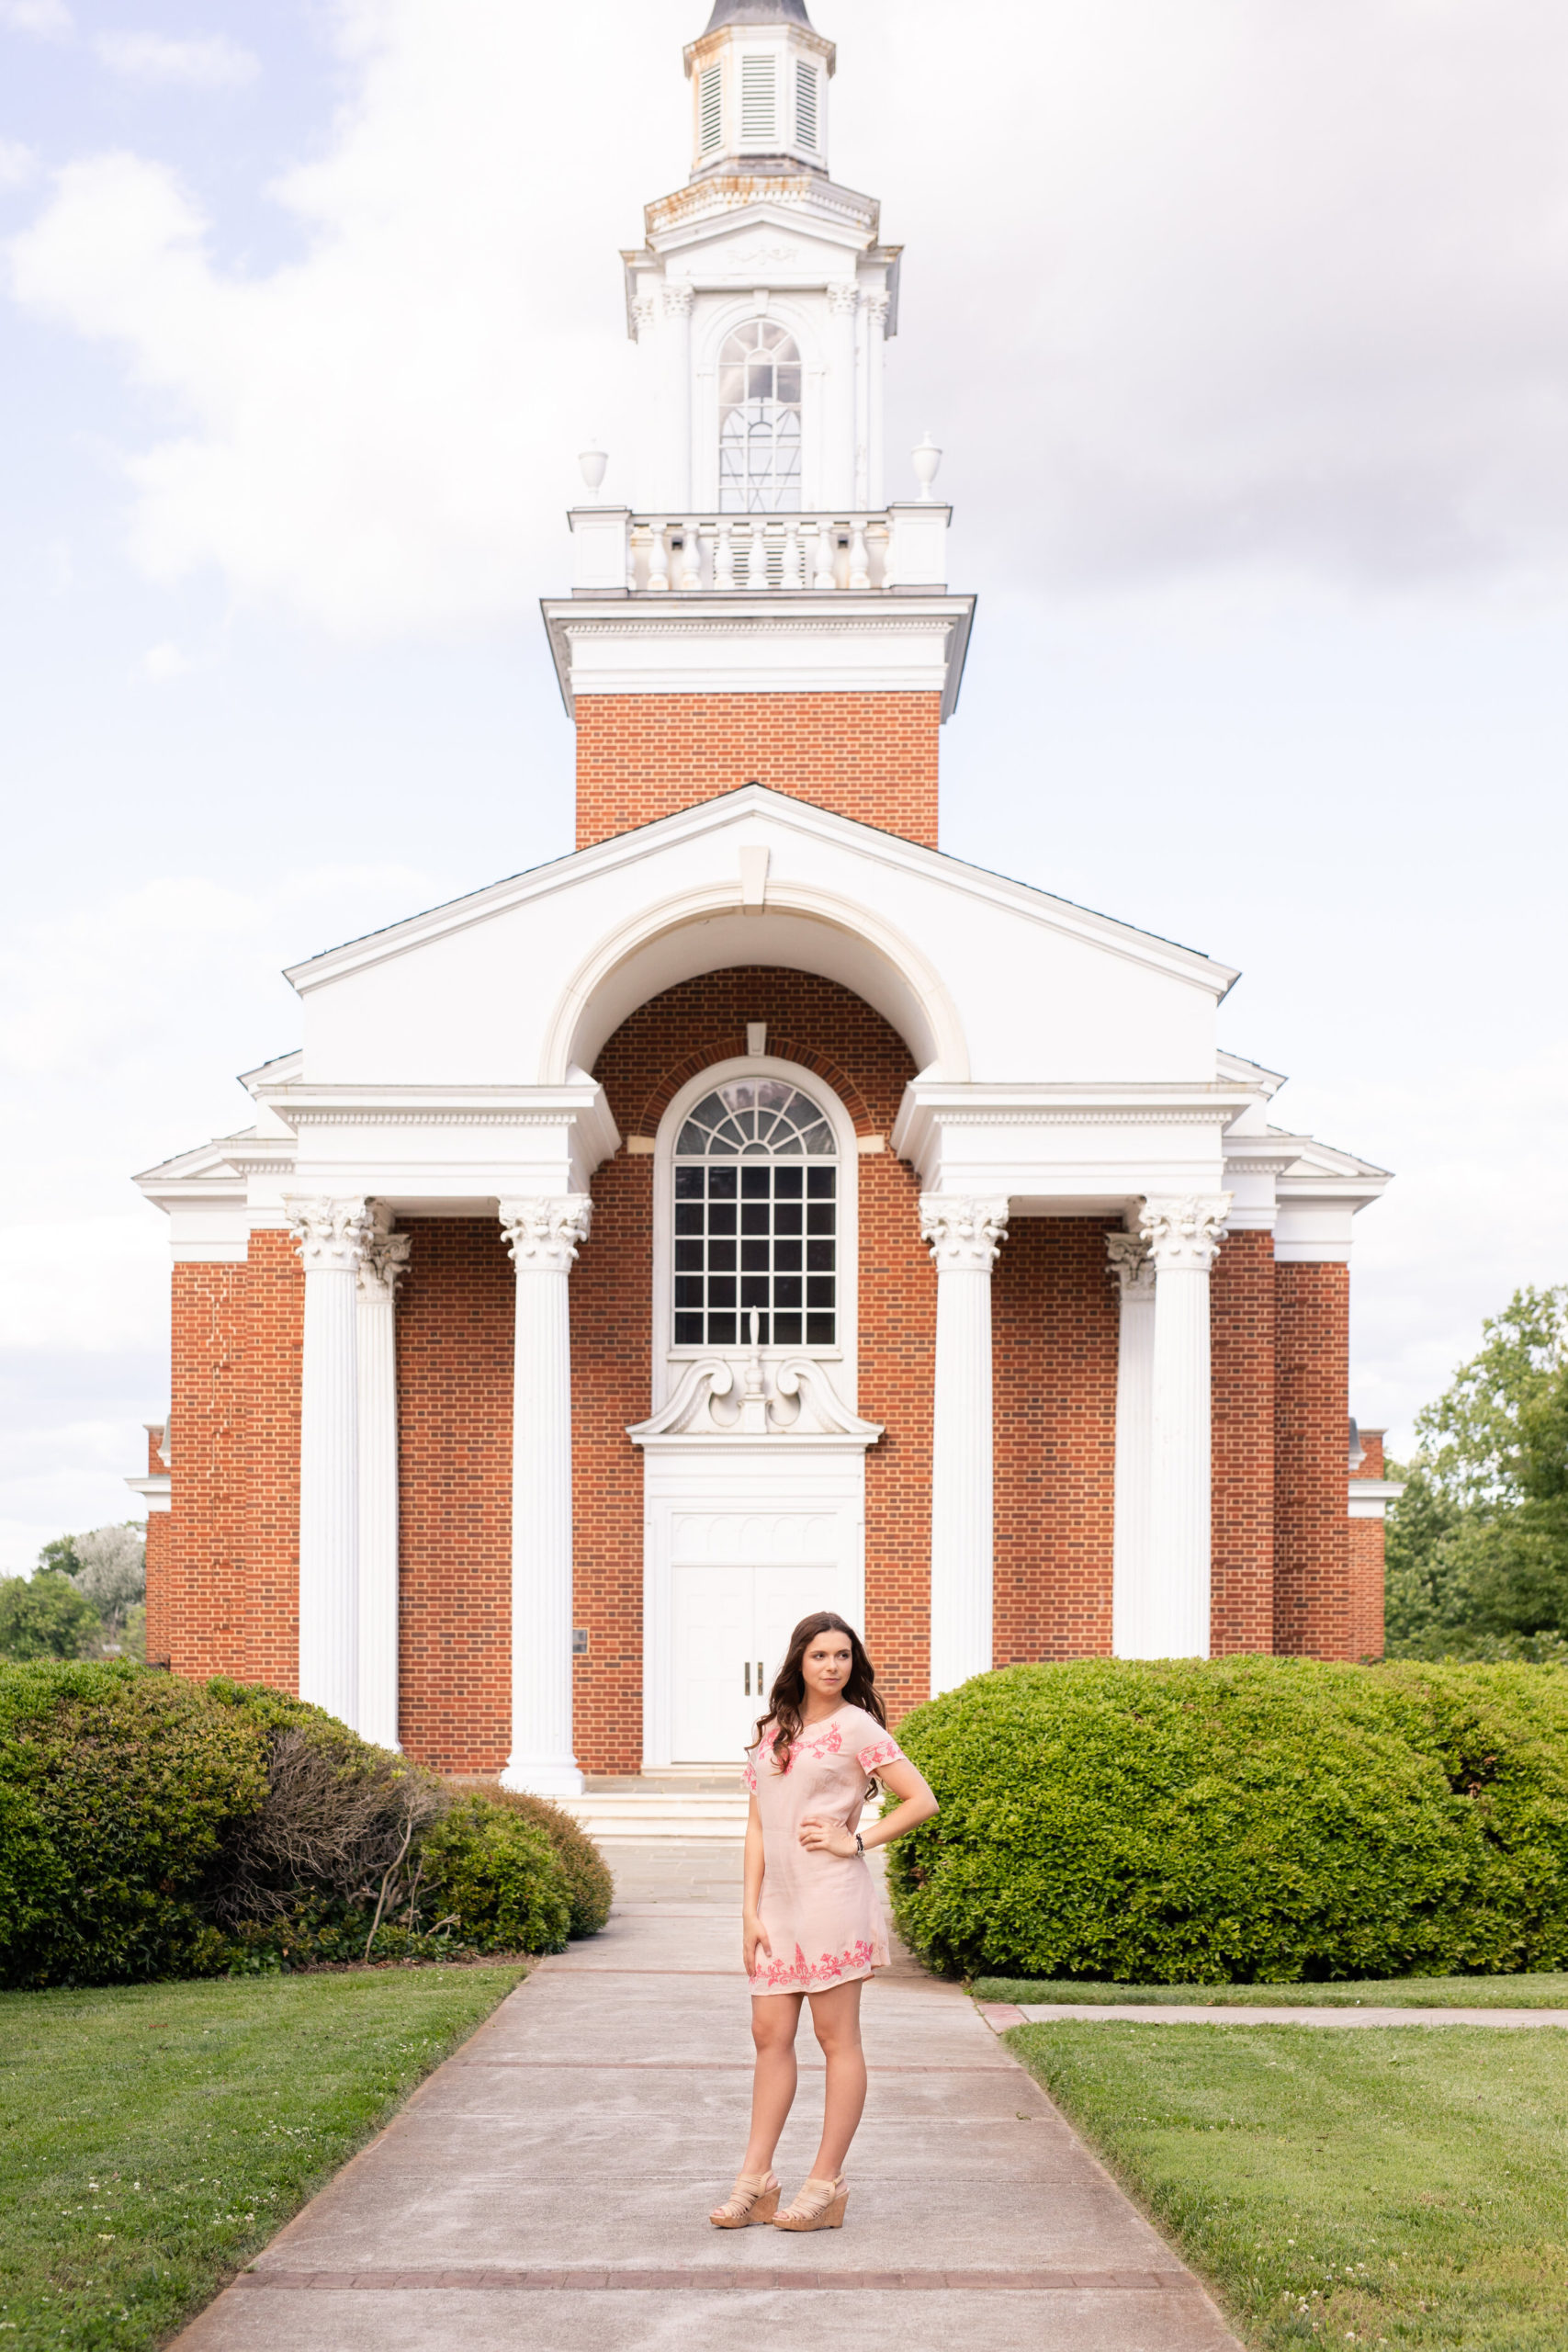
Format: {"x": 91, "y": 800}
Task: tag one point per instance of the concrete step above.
{"x": 659, "y": 1813}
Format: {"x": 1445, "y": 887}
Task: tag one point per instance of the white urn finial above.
{"x": 593, "y": 462}
{"x": 925, "y": 460}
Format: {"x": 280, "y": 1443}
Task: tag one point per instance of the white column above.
{"x": 677, "y": 475}
{"x": 542, "y": 1237}
{"x": 877, "y": 308}
{"x": 1184, "y": 1238}
{"x": 964, "y": 1236}
{"x": 384, "y": 1261}
{"x": 1131, "y": 1563}
{"x": 836, "y": 484}
{"x": 331, "y": 1237}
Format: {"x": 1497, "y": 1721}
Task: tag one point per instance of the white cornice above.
{"x": 787, "y": 815}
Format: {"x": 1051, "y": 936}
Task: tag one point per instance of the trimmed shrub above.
{"x": 589, "y": 1885}
{"x": 496, "y": 1871}
{"x": 1247, "y": 1820}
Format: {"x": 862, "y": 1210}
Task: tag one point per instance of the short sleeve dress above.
{"x": 821, "y": 1911}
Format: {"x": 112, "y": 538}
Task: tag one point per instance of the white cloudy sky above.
{"x": 1244, "y": 326}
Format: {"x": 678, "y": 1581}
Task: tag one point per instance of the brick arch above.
{"x": 729, "y": 1045}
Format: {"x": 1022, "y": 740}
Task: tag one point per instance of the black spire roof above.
{"x": 757, "y": 12}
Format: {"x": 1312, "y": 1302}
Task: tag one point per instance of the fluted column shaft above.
{"x": 542, "y": 1237}
{"x": 1184, "y": 1237}
{"x": 677, "y": 339}
{"x": 1133, "y": 1629}
{"x": 331, "y": 1236}
{"x": 837, "y": 487}
{"x": 385, "y": 1259}
{"x": 964, "y": 1236}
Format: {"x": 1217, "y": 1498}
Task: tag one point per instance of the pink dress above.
{"x": 821, "y": 1911}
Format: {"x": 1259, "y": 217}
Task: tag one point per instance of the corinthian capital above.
{"x": 1131, "y": 1263}
{"x": 843, "y": 302}
{"x": 331, "y": 1236}
{"x": 1185, "y": 1234}
{"x": 965, "y": 1235}
{"x": 677, "y": 300}
{"x": 645, "y": 311}
{"x": 542, "y": 1235}
{"x": 386, "y": 1258}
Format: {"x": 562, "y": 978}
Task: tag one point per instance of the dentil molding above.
{"x": 1185, "y": 1234}
{"x": 965, "y": 1235}
{"x": 544, "y": 1234}
{"x": 331, "y": 1236}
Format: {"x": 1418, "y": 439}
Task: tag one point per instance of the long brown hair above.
{"x": 787, "y": 1697}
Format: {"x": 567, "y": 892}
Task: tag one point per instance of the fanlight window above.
{"x": 759, "y": 421}
{"x": 756, "y": 1219}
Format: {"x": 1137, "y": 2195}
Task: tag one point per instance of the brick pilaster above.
{"x": 1312, "y": 1540}
{"x": 1242, "y": 1343}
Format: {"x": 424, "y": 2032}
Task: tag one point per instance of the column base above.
{"x": 540, "y": 1776}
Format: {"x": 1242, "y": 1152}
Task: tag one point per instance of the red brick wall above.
{"x": 1367, "y": 1561}
{"x": 871, "y": 756}
{"x": 1242, "y": 1340}
{"x": 195, "y": 1606}
{"x": 456, "y": 1310}
{"x": 1311, "y": 1535}
{"x": 1055, "y": 1319}
{"x": 815, "y": 1023}
{"x": 275, "y": 1338}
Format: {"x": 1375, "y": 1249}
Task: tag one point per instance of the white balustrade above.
{"x": 820, "y": 553}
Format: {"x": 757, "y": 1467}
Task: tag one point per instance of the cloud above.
{"x": 19, "y": 164}
{"x": 45, "y": 19}
{"x": 211, "y": 63}
{"x": 161, "y": 664}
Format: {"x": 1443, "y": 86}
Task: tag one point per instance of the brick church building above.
{"x": 755, "y": 1209}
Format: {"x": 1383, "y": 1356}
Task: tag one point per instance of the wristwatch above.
{"x": 859, "y": 1845}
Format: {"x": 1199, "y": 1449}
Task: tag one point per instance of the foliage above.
{"x": 1374, "y": 2186}
{"x": 1245, "y": 1820}
{"x": 496, "y": 1871}
{"x": 151, "y": 1828}
{"x": 589, "y": 1885}
{"x": 43, "y": 1615}
{"x": 59, "y": 1555}
{"x": 112, "y": 1572}
{"x": 1477, "y": 1547}
{"x": 152, "y": 2138}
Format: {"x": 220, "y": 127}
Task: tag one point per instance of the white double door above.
{"x": 732, "y": 1626}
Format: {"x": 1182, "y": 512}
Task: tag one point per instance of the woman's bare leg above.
{"x": 835, "y": 2019}
{"x": 774, "y": 2017}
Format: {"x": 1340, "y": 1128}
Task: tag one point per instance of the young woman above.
{"x": 813, "y": 1923}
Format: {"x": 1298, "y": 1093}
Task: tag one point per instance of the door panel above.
{"x": 782, "y": 1596}
{"x": 713, "y": 1642}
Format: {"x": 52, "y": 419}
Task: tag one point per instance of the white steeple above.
{"x": 759, "y": 78}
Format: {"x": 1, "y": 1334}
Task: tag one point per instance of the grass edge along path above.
{"x": 153, "y": 2138}
{"x": 1537, "y": 1992}
{"x": 1376, "y": 2187}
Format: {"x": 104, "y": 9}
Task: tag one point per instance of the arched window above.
{"x": 756, "y": 1219}
{"x": 759, "y": 421}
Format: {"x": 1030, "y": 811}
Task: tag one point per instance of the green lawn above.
{"x": 152, "y": 2138}
{"x": 1392, "y": 1993}
{"x": 1386, "y": 2187}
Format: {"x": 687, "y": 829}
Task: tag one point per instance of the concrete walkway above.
{"x": 548, "y": 2187}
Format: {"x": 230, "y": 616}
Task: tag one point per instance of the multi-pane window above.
{"x": 756, "y": 1220}
{"x": 759, "y": 421}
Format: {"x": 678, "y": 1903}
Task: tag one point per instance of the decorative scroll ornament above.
{"x": 331, "y": 1236}
{"x": 965, "y": 1235}
{"x": 386, "y": 1258}
{"x": 1185, "y": 1234}
{"x": 792, "y": 1400}
{"x": 544, "y": 1234}
{"x": 1131, "y": 1263}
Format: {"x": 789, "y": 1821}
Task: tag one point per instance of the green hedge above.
{"x": 152, "y": 1827}
{"x": 1248, "y": 1820}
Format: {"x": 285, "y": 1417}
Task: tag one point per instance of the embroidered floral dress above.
{"x": 821, "y": 1911}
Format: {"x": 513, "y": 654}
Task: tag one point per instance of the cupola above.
{"x": 759, "y": 76}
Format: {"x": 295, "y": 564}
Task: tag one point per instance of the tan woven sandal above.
{"x": 817, "y": 2205}
{"x": 754, "y": 2198}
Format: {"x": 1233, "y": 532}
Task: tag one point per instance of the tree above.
{"x": 1478, "y": 1543}
{"x": 59, "y": 1555}
{"x": 112, "y": 1572}
{"x": 45, "y": 1616}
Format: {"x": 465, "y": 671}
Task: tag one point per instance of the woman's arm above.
{"x": 752, "y": 1931}
{"x": 918, "y": 1804}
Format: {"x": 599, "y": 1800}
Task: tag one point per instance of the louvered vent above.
{"x": 804, "y": 104}
{"x": 757, "y": 101}
{"x": 710, "y": 110}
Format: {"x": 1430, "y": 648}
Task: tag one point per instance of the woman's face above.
{"x": 826, "y": 1663}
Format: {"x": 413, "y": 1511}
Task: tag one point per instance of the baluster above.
{"x": 879, "y": 540}
{"x": 860, "y": 561}
{"x": 691, "y": 572}
{"x": 659, "y": 558}
{"x": 822, "y": 568}
{"x": 724, "y": 556}
{"x": 790, "y": 574}
{"x": 634, "y": 541}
